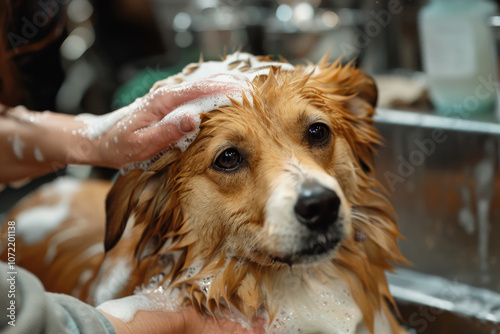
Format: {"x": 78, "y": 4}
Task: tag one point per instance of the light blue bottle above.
{"x": 459, "y": 56}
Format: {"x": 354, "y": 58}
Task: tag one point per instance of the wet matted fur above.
{"x": 236, "y": 226}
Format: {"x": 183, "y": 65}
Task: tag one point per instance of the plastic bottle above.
{"x": 459, "y": 55}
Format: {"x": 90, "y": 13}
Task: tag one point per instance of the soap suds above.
{"x": 229, "y": 69}
{"x": 114, "y": 282}
{"x": 237, "y": 68}
{"x": 56, "y": 240}
{"x": 17, "y": 146}
{"x": 38, "y": 154}
{"x": 126, "y": 308}
{"x": 82, "y": 280}
{"x": 95, "y": 126}
{"x": 90, "y": 252}
{"x": 314, "y": 306}
{"x": 34, "y": 224}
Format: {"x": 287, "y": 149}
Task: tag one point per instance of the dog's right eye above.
{"x": 318, "y": 133}
{"x": 228, "y": 160}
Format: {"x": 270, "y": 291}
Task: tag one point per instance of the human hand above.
{"x": 34, "y": 143}
{"x": 136, "y": 133}
{"x": 184, "y": 322}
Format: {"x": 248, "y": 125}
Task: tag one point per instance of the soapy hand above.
{"x": 36, "y": 143}
{"x": 185, "y": 322}
{"x": 140, "y": 131}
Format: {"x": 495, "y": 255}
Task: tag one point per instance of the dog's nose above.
{"x": 317, "y": 206}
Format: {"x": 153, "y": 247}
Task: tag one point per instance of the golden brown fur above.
{"x": 84, "y": 228}
{"x": 183, "y": 205}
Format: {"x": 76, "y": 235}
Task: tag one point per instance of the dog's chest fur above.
{"x": 305, "y": 301}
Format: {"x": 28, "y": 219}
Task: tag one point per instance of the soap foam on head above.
{"x": 194, "y": 109}
{"x": 238, "y": 68}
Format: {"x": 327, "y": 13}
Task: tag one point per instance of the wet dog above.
{"x": 273, "y": 211}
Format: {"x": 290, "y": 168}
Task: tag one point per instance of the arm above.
{"x": 25, "y": 307}
{"x": 36, "y": 143}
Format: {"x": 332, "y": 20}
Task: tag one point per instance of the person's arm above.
{"x": 25, "y": 307}
{"x": 36, "y": 143}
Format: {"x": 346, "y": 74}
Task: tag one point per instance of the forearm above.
{"x": 27, "y": 308}
{"x": 36, "y": 143}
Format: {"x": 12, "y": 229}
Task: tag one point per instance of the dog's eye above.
{"x": 228, "y": 160}
{"x": 318, "y": 133}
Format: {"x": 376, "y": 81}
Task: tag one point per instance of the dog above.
{"x": 273, "y": 211}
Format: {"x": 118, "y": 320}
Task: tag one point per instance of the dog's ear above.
{"x": 357, "y": 93}
{"x": 358, "y": 88}
{"x": 365, "y": 96}
{"x": 362, "y": 105}
{"x": 123, "y": 198}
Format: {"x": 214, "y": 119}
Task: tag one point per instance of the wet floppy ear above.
{"x": 358, "y": 90}
{"x": 365, "y": 99}
{"x": 123, "y": 198}
{"x": 362, "y": 105}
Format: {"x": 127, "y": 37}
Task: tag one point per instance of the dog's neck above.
{"x": 305, "y": 299}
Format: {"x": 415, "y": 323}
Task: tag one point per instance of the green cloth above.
{"x": 141, "y": 84}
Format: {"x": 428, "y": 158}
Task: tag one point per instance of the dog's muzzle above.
{"x": 317, "y": 207}
{"x": 306, "y": 220}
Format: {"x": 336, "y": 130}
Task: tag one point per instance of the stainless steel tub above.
{"x": 443, "y": 177}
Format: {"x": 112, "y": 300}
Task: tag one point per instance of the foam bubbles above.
{"x": 194, "y": 109}
{"x": 38, "y": 154}
{"x": 35, "y": 224}
{"x": 315, "y": 306}
{"x": 17, "y": 146}
{"x": 114, "y": 282}
{"x": 237, "y": 69}
{"x": 126, "y": 308}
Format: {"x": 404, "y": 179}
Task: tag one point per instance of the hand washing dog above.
{"x": 271, "y": 210}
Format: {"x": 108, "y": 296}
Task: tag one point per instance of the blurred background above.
{"x": 97, "y": 47}
{"x": 435, "y": 63}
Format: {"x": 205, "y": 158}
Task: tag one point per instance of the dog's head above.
{"x": 283, "y": 178}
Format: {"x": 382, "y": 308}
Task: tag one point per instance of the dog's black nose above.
{"x": 317, "y": 206}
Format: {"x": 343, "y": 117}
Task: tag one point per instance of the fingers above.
{"x": 183, "y": 322}
{"x": 186, "y": 124}
{"x": 147, "y": 131}
{"x": 155, "y": 139}
{"x": 194, "y": 323}
{"x": 166, "y": 99}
